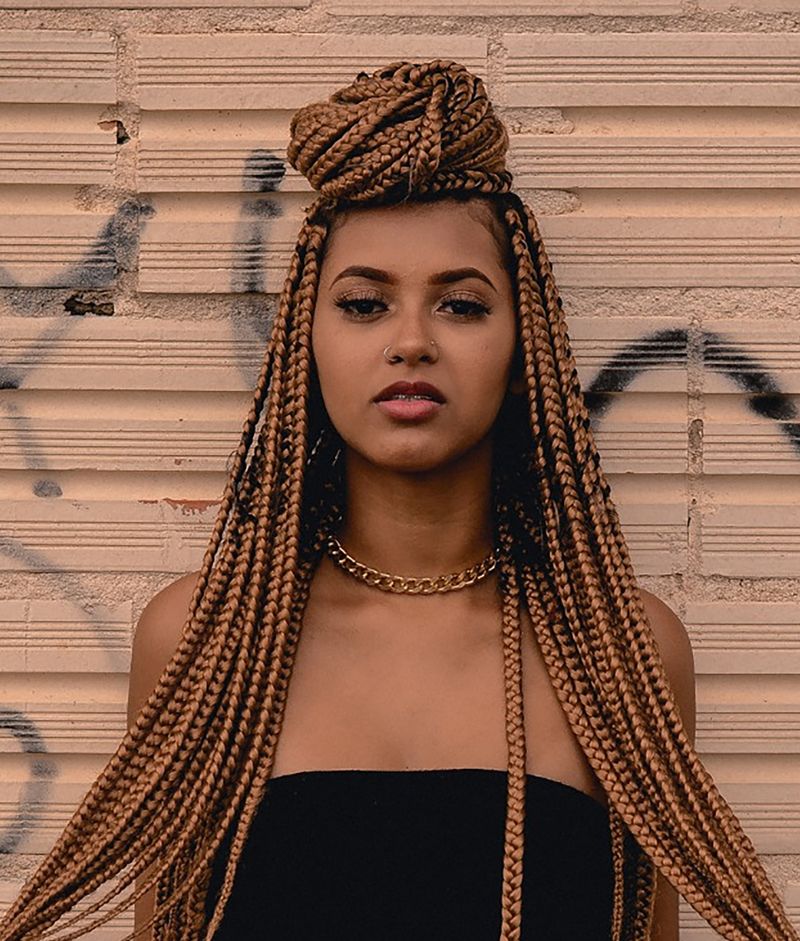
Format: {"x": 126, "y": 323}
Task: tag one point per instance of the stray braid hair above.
{"x": 194, "y": 768}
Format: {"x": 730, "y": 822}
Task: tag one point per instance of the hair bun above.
{"x": 407, "y": 127}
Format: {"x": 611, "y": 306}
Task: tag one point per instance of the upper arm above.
{"x": 675, "y": 649}
{"x": 155, "y": 640}
{"x": 676, "y": 654}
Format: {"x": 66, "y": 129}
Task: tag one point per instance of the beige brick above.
{"x": 42, "y": 636}
{"x": 57, "y": 66}
{"x": 209, "y": 158}
{"x": 635, "y": 251}
{"x": 277, "y": 70}
{"x": 769, "y": 813}
{"x": 748, "y": 447}
{"x": 757, "y": 540}
{"x": 171, "y": 535}
{"x": 643, "y": 354}
{"x": 568, "y": 160}
{"x": 792, "y": 901}
{"x": 48, "y": 804}
{"x": 693, "y": 927}
{"x": 558, "y": 69}
{"x": 744, "y": 637}
{"x": 744, "y": 433}
{"x": 149, "y": 4}
{"x": 68, "y": 249}
{"x": 55, "y": 157}
{"x": 132, "y": 354}
{"x": 505, "y": 8}
{"x": 108, "y": 444}
{"x": 221, "y": 164}
{"x": 52, "y": 535}
{"x": 71, "y": 728}
{"x": 742, "y": 356}
{"x": 648, "y": 445}
{"x": 744, "y": 728}
{"x": 638, "y": 367}
{"x": 767, "y": 6}
{"x": 195, "y": 256}
{"x": 653, "y": 520}
{"x": 94, "y": 728}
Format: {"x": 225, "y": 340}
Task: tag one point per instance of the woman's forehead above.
{"x": 420, "y": 235}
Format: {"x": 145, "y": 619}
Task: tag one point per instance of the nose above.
{"x": 413, "y": 344}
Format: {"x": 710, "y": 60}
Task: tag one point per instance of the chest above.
{"x": 419, "y": 693}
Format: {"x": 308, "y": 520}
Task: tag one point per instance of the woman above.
{"x": 416, "y": 494}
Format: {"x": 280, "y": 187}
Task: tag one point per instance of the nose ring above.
{"x": 388, "y": 359}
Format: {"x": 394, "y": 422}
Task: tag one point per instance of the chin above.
{"x": 408, "y": 457}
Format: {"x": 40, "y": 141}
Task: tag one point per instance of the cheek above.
{"x": 487, "y": 368}
{"x": 340, "y": 365}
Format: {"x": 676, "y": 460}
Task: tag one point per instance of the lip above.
{"x": 409, "y": 410}
{"x": 410, "y": 388}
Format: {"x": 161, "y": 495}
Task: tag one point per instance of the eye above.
{"x": 465, "y": 306}
{"x": 348, "y": 301}
{"x": 474, "y": 308}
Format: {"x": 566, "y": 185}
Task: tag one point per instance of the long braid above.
{"x": 515, "y": 736}
{"x": 194, "y": 769}
{"x": 636, "y": 700}
{"x": 43, "y": 886}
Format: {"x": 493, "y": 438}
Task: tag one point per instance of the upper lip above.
{"x": 410, "y": 388}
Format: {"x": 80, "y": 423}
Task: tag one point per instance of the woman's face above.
{"x": 404, "y": 303}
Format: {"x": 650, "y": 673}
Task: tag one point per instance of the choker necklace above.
{"x": 407, "y": 584}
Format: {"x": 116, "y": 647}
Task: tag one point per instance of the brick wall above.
{"x": 147, "y": 214}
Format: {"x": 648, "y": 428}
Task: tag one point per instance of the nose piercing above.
{"x": 388, "y": 359}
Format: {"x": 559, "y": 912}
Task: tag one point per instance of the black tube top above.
{"x": 414, "y": 855}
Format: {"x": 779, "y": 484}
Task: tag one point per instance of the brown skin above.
{"x": 418, "y": 500}
{"x": 416, "y": 681}
{"x": 424, "y": 487}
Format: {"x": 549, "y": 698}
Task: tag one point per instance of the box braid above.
{"x": 194, "y": 768}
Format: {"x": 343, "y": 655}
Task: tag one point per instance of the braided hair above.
{"x": 195, "y": 766}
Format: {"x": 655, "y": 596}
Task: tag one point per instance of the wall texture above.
{"x": 147, "y": 214}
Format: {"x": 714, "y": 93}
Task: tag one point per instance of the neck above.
{"x": 419, "y": 524}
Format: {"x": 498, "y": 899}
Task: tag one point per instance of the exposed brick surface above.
{"x": 147, "y": 215}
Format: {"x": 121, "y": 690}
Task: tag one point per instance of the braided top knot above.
{"x": 407, "y": 127}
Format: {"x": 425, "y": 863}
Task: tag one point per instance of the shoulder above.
{"x": 156, "y": 637}
{"x": 675, "y": 649}
{"x": 168, "y": 604}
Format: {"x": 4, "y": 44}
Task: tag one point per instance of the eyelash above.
{"x": 345, "y": 302}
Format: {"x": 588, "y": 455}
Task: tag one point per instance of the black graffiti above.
{"x": 35, "y": 789}
{"x": 718, "y": 354}
{"x": 115, "y": 248}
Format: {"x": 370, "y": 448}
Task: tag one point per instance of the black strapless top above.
{"x": 414, "y": 855}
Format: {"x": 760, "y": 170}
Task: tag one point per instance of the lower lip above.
{"x": 409, "y": 409}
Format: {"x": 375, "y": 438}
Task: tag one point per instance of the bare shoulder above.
{"x": 675, "y": 648}
{"x": 156, "y": 638}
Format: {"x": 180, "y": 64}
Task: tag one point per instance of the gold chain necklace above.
{"x": 409, "y": 585}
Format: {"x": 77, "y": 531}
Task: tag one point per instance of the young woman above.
{"x": 417, "y": 539}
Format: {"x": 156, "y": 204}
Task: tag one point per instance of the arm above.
{"x": 155, "y": 640}
{"x": 676, "y": 654}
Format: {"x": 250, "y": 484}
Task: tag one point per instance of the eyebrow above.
{"x": 442, "y": 277}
